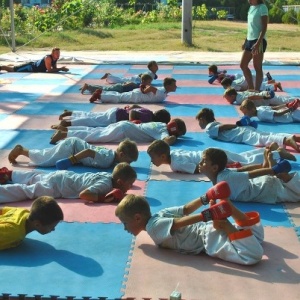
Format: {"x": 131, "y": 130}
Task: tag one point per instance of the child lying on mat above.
{"x": 92, "y": 187}
{"x": 152, "y": 70}
{"x": 285, "y": 113}
{"x": 243, "y": 134}
{"x": 180, "y": 229}
{"x": 145, "y": 132}
{"x": 16, "y": 223}
{"x": 74, "y": 151}
{"x": 259, "y": 98}
{"x": 185, "y": 161}
{"x": 146, "y": 80}
{"x": 148, "y": 94}
{"x": 253, "y": 186}
{"x": 133, "y": 113}
{"x": 240, "y": 83}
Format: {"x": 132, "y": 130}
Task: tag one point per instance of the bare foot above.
{"x": 273, "y": 146}
{"x": 286, "y": 154}
{"x": 84, "y": 88}
{"x": 58, "y": 127}
{"x": 57, "y": 136}
{"x": 66, "y": 113}
{"x": 265, "y": 163}
{"x": 291, "y": 141}
{"x": 14, "y": 153}
{"x": 105, "y": 76}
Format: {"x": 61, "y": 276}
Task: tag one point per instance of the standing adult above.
{"x": 47, "y": 64}
{"x": 255, "y": 44}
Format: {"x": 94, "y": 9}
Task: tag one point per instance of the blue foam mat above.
{"x": 68, "y": 262}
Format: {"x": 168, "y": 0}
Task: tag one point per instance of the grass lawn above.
{"x": 214, "y": 36}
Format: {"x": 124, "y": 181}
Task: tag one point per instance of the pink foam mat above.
{"x": 76, "y": 210}
{"x": 9, "y": 107}
{"x": 154, "y": 273}
{"x": 195, "y": 99}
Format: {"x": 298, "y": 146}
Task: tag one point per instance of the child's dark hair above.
{"x": 151, "y": 63}
{"x": 45, "y": 210}
{"x": 168, "y": 81}
{"x": 226, "y": 82}
{"x": 161, "y": 115}
{"x": 181, "y": 127}
{"x": 146, "y": 77}
{"x": 133, "y": 204}
{"x": 230, "y": 92}
{"x": 159, "y": 147}
{"x": 124, "y": 172}
{"x": 129, "y": 149}
{"x": 207, "y": 114}
{"x": 213, "y": 69}
{"x": 217, "y": 157}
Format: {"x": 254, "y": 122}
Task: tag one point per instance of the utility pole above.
{"x": 186, "y": 25}
{"x": 12, "y": 25}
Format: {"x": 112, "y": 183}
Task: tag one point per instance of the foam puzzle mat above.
{"x": 89, "y": 255}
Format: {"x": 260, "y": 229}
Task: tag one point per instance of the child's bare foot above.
{"x": 267, "y": 153}
{"x": 66, "y": 113}
{"x": 105, "y": 76}
{"x": 84, "y": 88}
{"x": 273, "y": 146}
{"x": 277, "y": 85}
{"x": 291, "y": 141}
{"x": 59, "y": 127}
{"x": 286, "y": 154}
{"x": 96, "y": 96}
{"x": 57, "y": 136}
{"x": 14, "y": 153}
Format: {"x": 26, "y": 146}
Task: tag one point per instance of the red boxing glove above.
{"x": 218, "y": 211}
{"x": 218, "y": 191}
{"x": 116, "y": 195}
{"x": 136, "y": 121}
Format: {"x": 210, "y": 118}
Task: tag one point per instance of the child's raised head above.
{"x": 146, "y": 79}
{"x": 212, "y": 162}
{"x": 205, "y": 116}
{"x": 170, "y": 84}
{"x": 212, "y": 70}
{"x": 127, "y": 151}
{"x": 161, "y": 115}
{"x": 134, "y": 212}
{"x": 152, "y": 66}
{"x": 176, "y": 127}
{"x": 123, "y": 177}
{"x": 44, "y": 215}
{"x": 230, "y": 95}
{"x": 226, "y": 82}
{"x": 159, "y": 152}
{"x": 248, "y": 108}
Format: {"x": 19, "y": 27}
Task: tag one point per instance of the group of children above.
{"x": 259, "y": 175}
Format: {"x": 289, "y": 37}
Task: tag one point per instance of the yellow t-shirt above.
{"x": 12, "y": 226}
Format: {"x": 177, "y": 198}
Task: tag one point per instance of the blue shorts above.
{"x": 26, "y": 68}
{"x": 249, "y": 45}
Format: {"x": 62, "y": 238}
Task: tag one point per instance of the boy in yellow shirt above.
{"x": 16, "y": 222}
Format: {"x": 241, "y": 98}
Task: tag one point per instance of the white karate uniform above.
{"x": 276, "y": 100}
{"x": 245, "y": 135}
{"x": 117, "y": 132}
{"x": 266, "y": 114}
{"x": 135, "y": 96}
{"x": 94, "y": 119}
{"x": 187, "y": 161}
{"x": 104, "y": 158}
{"x": 60, "y": 184}
{"x": 265, "y": 189}
{"x": 203, "y": 237}
{"x": 240, "y": 83}
{"x": 136, "y": 78}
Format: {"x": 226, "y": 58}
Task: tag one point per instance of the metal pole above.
{"x": 12, "y": 25}
{"x": 186, "y": 25}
